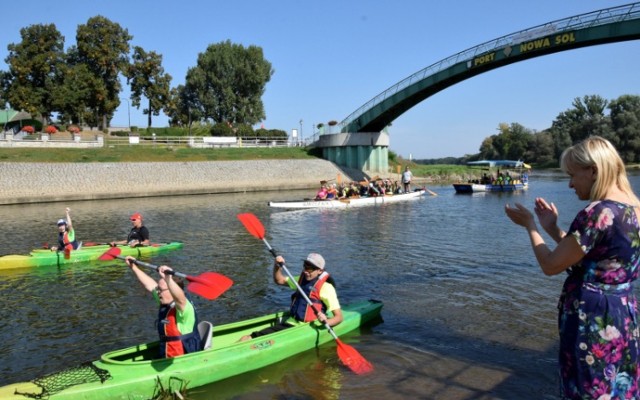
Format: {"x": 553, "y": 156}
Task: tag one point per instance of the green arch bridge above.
{"x": 363, "y": 143}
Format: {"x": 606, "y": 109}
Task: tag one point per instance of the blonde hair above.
{"x": 599, "y": 152}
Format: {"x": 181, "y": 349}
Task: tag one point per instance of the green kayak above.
{"x": 133, "y": 373}
{"x": 46, "y": 257}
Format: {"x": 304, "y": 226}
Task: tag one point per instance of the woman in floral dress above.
{"x": 597, "y": 316}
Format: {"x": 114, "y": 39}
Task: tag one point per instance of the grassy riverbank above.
{"x": 435, "y": 173}
{"x": 149, "y": 154}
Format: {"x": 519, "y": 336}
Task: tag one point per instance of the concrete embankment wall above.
{"x": 46, "y": 182}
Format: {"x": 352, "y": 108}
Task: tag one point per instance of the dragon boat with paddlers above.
{"x": 349, "y": 202}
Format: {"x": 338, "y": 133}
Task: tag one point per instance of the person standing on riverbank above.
{"x": 597, "y": 320}
{"x": 139, "y": 234}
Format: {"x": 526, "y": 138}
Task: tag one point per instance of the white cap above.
{"x": 316, "y": 259}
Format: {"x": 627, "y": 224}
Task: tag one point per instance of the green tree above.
{"x": 229, "y": 81}
{"x": 222, "y": 129}
{"x": 183, "y": 107}
{"x": 245, "y": 130}
{"x": 625, "y": 122}
{"x": 77, "y": 93}
{"x": 34, "y": 69}
{"x": 511, "y": 143}
{"x": 591, "y": 119}
{"x": 560, "y": 131}
{"x": 147, "y": 77}
{"x": 103, "y": 46}
{"x": 174, "y": 108}
{"x": 586, "y": 118}
{"x": 541, "y": 150}
{"x": 487, "y": 150}
{"x": 261, "y": 132}
{"x": 519, "y": 142}
{"x": 4, "y": 85}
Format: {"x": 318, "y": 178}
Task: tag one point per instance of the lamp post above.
{"x": 128, "y": 111}
{"x": 6, "y": 121}
{"x": 301, "y": 137}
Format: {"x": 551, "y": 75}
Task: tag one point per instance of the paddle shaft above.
{"x": 304, "y": 295}
{"x": 151, "y": 266}
{"x": 430, "y": 192}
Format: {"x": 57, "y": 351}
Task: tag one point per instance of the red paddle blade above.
{"x": 67, "y": 254}
{"x": 252, "y": 224}
{"x": 110, "y": 254}
{"x": 209, "y": 285}
{"x": 91, "y": 244}
{"x": 352, "y": 359}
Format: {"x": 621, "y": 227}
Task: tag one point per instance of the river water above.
{"x": 467, "y": 313}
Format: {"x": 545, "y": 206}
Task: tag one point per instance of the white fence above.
{"x": 199, "y": 142}
{"x": 45, "y": 140}
{"x": 77, "y": 141}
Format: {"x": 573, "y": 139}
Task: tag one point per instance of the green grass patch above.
{"x": 439, "y": 169}
{"x": 437, "y": 172}
{"x": 150, "y": 154}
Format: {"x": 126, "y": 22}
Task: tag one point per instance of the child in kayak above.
{"x": 66, "y": 235}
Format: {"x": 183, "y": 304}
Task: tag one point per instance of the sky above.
{"x": 331, "y": 57}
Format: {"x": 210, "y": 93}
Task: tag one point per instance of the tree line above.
{"x": 616, "y": 120}
{"x": 82, "y": 85}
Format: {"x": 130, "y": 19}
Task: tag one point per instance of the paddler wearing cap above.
{"x": 139, "y": 234}
{"x": 66, "y": 235}
{"x": 317, "y": 285}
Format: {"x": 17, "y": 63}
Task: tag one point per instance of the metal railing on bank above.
{"x": 99, "y": 140}
{"x": 199, "y": 141}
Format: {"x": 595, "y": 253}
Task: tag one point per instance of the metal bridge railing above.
{"x": 591, "y": 19}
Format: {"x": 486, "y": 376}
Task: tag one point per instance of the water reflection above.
{"x": 467, "y": 314}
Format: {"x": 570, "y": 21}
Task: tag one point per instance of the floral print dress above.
{"x": 597, "y": 310}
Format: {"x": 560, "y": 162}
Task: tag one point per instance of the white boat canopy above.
{"x": 499, "y": 163}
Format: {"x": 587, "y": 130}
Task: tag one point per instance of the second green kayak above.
{"x": 46, "y": 257}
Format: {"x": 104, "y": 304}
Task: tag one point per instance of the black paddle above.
{"x": 347, "y": 354}
{"x": 209, "y": 285}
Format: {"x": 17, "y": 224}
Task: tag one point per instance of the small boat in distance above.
{"x": 496, "y": 176}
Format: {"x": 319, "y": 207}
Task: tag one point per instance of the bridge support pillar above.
{"x": 362, "y": 150}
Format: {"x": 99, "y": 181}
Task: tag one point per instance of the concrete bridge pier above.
{"x": 366, "y": 151}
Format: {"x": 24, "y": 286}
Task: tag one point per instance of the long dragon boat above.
{"x": 350, "y": 202}
{"x": 135, "y": 372}
{"x": 86, "y": 253}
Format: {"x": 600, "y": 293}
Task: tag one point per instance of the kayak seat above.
{"x": 205, "y": 330}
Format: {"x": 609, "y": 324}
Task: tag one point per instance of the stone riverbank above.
{"x": 48, "y": 182}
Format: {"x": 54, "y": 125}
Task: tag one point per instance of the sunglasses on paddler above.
{"x": 309, "y": 267}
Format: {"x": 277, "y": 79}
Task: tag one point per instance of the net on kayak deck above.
{"x": 59, "y": 381}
